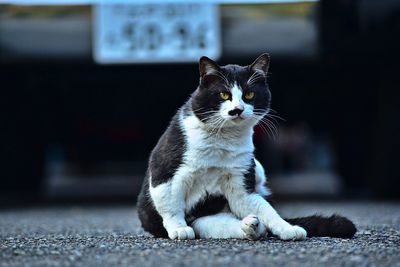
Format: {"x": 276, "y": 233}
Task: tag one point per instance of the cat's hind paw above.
{"x": 252, "y": 227}
{"x": 182, "y": 233}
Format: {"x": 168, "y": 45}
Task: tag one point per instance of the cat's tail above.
{"x": 333, "y": 226}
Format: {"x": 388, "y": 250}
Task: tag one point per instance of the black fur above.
{"x": 333, "y": 226}
{"x": 167, "y": 155}
{"x": 149, "y": 217}
{"x": 250, "y": 178}
{"x": 208, "y": 206}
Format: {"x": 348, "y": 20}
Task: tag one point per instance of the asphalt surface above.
{"x": 111, "y": 235}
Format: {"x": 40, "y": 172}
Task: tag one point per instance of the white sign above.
{"x": 146, "y": 33}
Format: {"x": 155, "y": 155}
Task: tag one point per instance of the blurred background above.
{"x": 87, "y": 90}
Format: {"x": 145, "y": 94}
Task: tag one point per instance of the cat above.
{"x": 203, "y": 179}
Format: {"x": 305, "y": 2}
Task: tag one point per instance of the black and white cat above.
{"x": 203, "y": 180}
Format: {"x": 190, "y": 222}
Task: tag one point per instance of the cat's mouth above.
{"x": 238, "y": 119}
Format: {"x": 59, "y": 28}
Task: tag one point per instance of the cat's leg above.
{"x": 168, "y": 199}
{"x": 242, "y": 202}
{"x": 226, "y": 225}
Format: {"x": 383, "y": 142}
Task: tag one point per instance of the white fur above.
{"x": 242, "y": 204}
{"x": 226, "y": 225}
{"x": 252, "y": 227}
{"x": 168, "y": 199}
{"x": 261, "y": 180}
{"x": 214, "y": 163}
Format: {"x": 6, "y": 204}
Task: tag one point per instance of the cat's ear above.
{"x": 261, "y": 64}
{"x": 207, "y": 66}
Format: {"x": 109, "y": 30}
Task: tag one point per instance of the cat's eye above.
{"x": 249, "y": 95}
{"x": 224, "y": 95}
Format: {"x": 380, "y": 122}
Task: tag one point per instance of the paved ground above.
{"x": 105, "y": 236}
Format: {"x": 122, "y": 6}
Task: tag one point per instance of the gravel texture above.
{"x": 107, "y": 236}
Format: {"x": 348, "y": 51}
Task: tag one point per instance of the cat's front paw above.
{"x": 252, "y": 227}
{"x": 289, "y": 232}
{"x": 182, "y": 233}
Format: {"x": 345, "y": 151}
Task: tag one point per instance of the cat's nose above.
{"x": 236, "y": 111}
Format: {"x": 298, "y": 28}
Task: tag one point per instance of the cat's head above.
{"x": 232, "y": 95}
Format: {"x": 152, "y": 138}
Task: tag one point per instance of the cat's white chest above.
{"x": 204, "y": 150}
{"x": 212, "y": 162}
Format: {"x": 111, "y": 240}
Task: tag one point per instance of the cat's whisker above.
{"x": 272, "y": 126}
{"x": 194, "y": 110}
{"x": 271, "y": 131}
{"x": 206, "y": 112}
{"x": 222, "y": 125}
{"x": 217, "y": 128}
{"x": 275, "y": 129}
{"x": 264, "y": 123}
{"x": 268, "y": 131}
{"x": 264, "y": 129}
{"x": 271, "y": 118}
{"x": 275, "y": 116}
{"x": 273, "y": 110}
{"x": 262, "y": 114}
{"x": 218, "y": 125}
{"x": 260, "y": 111}
{"x": 214, "y": 123}
{"x": 211, "y": 117}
